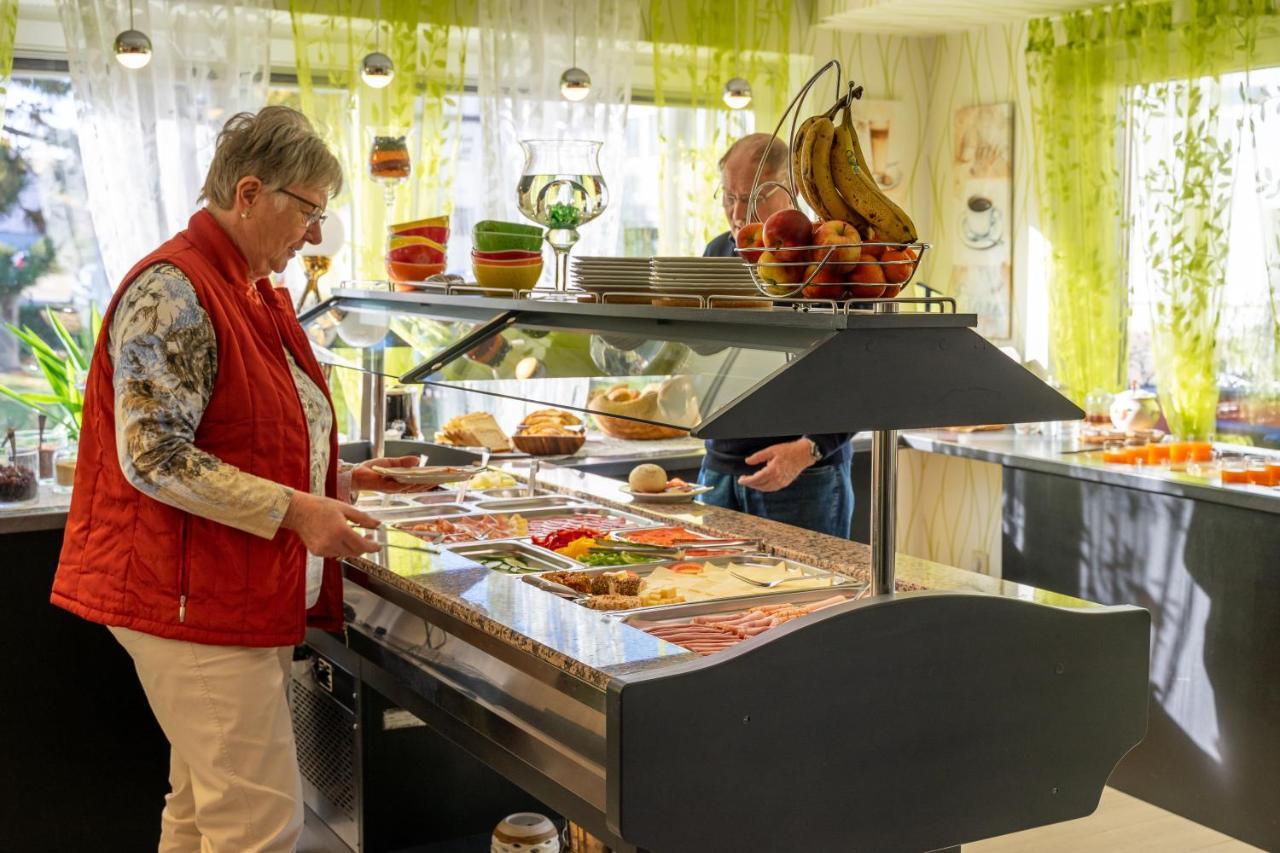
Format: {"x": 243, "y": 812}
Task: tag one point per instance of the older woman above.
{"x": 208, "y": 470}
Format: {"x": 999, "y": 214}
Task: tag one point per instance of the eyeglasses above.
{"x": 315, "y": 216}
{"x": 730, "y": 201}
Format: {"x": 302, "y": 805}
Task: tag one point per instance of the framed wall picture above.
{"x": 981, "y": 203}
{"x": 890, "y": 146}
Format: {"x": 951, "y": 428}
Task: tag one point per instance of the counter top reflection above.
{"x": 593, "y": 646}
{"x": 1072, "y": 459}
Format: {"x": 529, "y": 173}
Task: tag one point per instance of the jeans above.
{"x": 820, "y": 499}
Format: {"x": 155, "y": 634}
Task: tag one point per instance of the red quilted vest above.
{"x": 129, "y": 560}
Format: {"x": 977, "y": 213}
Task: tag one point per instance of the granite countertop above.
{"x": 1070, "y": 459}
{"x": 594, "y": 646}
{"x": 47, "y": 512}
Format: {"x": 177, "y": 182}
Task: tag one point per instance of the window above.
{"x": 48, "y": 251}
{"x": 1247, "y": 358}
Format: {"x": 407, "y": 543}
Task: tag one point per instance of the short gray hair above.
{"x": 277, "y": 145}
{"x": 753, "y": 146}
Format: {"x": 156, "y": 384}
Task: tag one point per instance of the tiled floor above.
{"x": 1121, "y": 824}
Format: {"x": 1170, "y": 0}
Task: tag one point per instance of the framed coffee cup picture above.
{"x": 980, "y": 210}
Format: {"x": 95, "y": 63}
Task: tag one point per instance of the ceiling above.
{"x": 937, "y": 17}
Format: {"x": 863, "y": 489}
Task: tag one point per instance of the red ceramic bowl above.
{"x": 432, "y": 232}
{"x": 509, "y": 255}
{"x": 532, "y": 260}
{"x": 416, "y": 255}
{"x": 403, "y": 271}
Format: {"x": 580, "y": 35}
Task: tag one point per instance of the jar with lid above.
{"x": 18, "y": 472}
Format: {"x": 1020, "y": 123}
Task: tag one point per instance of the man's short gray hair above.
{"x": 279, "y": 146}
{"x": 752, "y": 146}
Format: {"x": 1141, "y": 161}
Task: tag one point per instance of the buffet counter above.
{"x": 608, "y": 724}
{"x": 592, "y": 646}
{"x": 1072, "y": 459}
{"x": 1200, "y": 556}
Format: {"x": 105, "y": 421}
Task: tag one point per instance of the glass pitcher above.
{"x": 561, "y": 188}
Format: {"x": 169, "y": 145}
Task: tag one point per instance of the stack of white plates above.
{"x": 610, "y": 275}
{"x": 702, "y": 276}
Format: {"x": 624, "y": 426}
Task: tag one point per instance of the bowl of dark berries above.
{"x": 17, "y": 482}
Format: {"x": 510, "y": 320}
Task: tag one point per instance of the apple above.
{"x": 750, "y": 240}
{"x": 846, "y": 240}
{"x": 787, "y": 228}
{"x": 867, "y": 282}
{"x": 873, "y": 252}
{"x": 779, "y": 279}
{"x": 822, "y": 282}
{"x": 898, "y": 273}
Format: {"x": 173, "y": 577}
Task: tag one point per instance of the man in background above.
{"x": 800, "y": 480}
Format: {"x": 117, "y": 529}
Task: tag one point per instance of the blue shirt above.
{"x": 728, "y": 455}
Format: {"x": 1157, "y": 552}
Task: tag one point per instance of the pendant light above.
{"x": 575, "y": 84}
{"x": 737, "y": 92}
{"x": 376, "y": 69}
{"x": 133, "y": 48}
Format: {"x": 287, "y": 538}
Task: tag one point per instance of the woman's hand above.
{"x": 322, "y": 524}
{"x": 782, "y": 464}
{"x": 365, "y": 479}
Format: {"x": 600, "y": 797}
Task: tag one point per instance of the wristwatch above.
{"x": 815, "y": 452}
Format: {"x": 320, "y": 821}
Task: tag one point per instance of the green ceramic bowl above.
{"x": 491, "y": 241}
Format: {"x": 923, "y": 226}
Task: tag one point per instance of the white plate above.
{"x": 666, "y": 497}
{"x": 431, "y": 475}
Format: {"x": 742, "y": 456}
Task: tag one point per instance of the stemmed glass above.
{"x": 560, "y": 189}
{"x": 389, "y": 162}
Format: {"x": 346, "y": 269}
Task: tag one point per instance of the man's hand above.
{"x": 365, "y": 479}
{"x": 782, "y": 464}
{"x": 322, "y": 524}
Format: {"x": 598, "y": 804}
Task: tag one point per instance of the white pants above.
{"x": 233, "y": 765}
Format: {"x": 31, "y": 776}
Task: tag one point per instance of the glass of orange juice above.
{"x": 1235, "y": 470}
{"x": 1273, "y": 466}
{"x": 1200, "y": 451}
{"x": 1179, "y": 452}
{"x": 1115, "y": 452}
{"x": 1158, "y": 453}
{"x": 1259, "y": 471}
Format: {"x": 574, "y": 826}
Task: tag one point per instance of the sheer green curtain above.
{"x": 426, "y": 39}
{"x": 8, "y": 28}
{"x": 1146, "y": 95}
{"x": 698, "y": 46}
{"x": 1078, "y": 68}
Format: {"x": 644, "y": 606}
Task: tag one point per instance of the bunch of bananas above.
{"x": 833, "y": 177}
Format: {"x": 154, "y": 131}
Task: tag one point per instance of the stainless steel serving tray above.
{"x": 381, "y": 502}
{"x": 511, "y": 547}
{"x": 838, "y": 582}
{"x": 682, "y": 614}
{"x": 435, "y": 498}
{"x": 617, "y": 536}
{"x": 509, "y": 492}
{"x": 524, "y": 504}
{"x": 425, "y": 513}
{"x": 583, "y": 508}
{"x": 457, "y": 513}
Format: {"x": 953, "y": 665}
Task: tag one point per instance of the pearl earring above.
{"x": 244, "y": 214}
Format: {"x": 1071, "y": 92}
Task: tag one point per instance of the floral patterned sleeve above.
{"x": 165, "y": 360}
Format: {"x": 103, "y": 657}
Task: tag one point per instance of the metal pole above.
{"x": 373, "y": 407}
{"x": 884, "y": 498}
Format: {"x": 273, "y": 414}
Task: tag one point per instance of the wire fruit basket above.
{"x": 828, "y": 267}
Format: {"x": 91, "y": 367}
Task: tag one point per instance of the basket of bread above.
{"x": 550, "y": 432}
{"x": 670, "y": 401}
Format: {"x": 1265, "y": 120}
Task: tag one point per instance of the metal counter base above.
{"x": 947, "y": 733}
